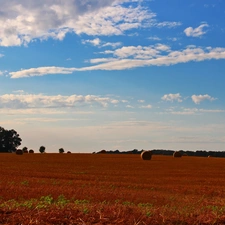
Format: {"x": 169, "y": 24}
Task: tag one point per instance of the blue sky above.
{"x": 123, "y": 74}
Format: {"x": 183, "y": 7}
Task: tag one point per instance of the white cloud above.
{"x": 141, "y": 52}
{"x": 94, "y": 42}
{"x": 212, "y": 110}
{"x": 154, "y": 38}
{"x": 19, "y": 91}
{"x": 1, "y": 55}
{"x": 102, "y": 60}
{"x": 3, "y": 72}
{"x": 194, "y": 111}
{"x": 199, "y": 98}
{"x": 100, "y": 43}
{"x": 129, "y": 106}
{"x": 173, "y": 39}
{"x": 112, "y": 44}
{"x": 168, "y": 24}
{"x": 195, "y": 32}
{"x": 172, "y": 97}
{"x": 40, "y": 71}
{"x": 182, "y": 113}
{"x": 23, "y": 21}
{"x": 146, "y": 107}
{"x": 129, "y": 57}
{"x": 141, "y": 101}
{"x": 23, "y": 101}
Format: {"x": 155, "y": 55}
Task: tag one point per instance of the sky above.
{"x": 87, "y": 75}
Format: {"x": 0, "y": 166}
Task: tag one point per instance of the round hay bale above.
{"x": 31, "y": 151}
{"x": 25, "y": 151}
{"x": 146, "y": 155}
{"x": 177, "y": 154}
{"x": 69, "y": 152}
{"x": 19, "y": 152}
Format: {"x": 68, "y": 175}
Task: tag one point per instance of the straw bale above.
{"x": 177, "y": 154}
{"x": 146, "y": 155}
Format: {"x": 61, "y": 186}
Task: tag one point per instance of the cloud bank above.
{"x": 23, "y": 101}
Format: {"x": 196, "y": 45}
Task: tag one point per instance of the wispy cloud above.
{"x": 94, "y": 42}
{"x": 100, "y": 43}
{"x": 112, "y": 44}
{"x": 1, "y": 55}
{"x": 23, "y": 101}
{"x": 146, "y": 106}
{"x": 132, "y": 57}
{"x": 197, "y": 99}
{"x": 196, "y": 32}
{"x": 193, "y": 111}
{"x": 172, "y": 97}
{"x": 3, "y": 72}
{"x": 129, "y": 106}
{"x": 40, "y": 71}
{"x": 154, "y": 38}
{"x": 168, "y": 24}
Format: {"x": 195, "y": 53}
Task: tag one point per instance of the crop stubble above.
{"x": 187, "y": 187}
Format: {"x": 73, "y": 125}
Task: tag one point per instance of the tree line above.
{"x": 10, "y": 141}
{"x": 198, "y": 153}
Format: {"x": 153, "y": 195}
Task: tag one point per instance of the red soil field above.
{"x": 111, "y": 189}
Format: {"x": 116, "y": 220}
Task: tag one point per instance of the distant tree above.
{"x": 42, "y": 149}
{"x": 61, "y": 150}
{"x": 9, "y": 140}
{"x": 31, "y": 151}
{"x": 25, "y": 150}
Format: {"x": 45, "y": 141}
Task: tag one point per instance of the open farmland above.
{"x": 111, "y": 189}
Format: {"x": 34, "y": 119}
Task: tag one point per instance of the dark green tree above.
{"x": 42, "y": 149}
{"x": 61, "y": 150}
{"x": 25, "y": 150}
{"x": 9, "y": 140}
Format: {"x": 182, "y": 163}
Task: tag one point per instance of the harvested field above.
{"x": 111, "y": 189}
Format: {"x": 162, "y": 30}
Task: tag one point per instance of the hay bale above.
{"x": 69, "y": 152}
{"x": 31, "y": 151}
{"x": 146, "y": 155}
{"x": 25, "y": 151}
{"x": 177, "y": 154}
{"x": 19, "y": 152}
